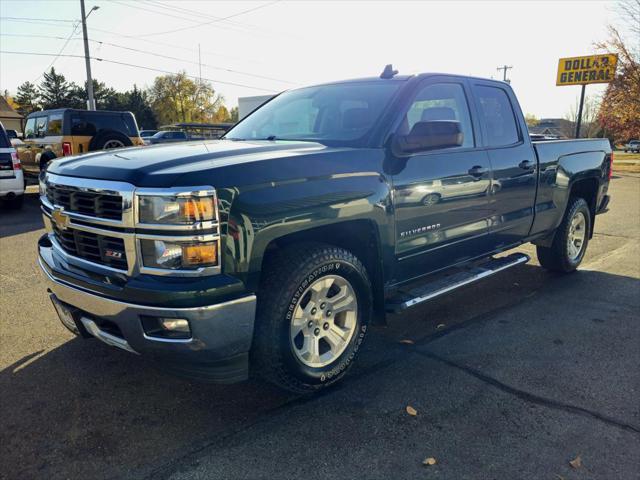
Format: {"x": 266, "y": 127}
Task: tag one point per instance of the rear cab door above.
{"x": 512, "y": 193}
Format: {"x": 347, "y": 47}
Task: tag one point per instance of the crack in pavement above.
{"x": 530, "y": 397}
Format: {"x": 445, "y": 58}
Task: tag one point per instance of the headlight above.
{"x": 176, "y": 210}
{"x": 42, "y": 186}
{"x": 179, "y": 255}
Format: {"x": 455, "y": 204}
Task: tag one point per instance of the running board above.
{"x": 409, "y": 297}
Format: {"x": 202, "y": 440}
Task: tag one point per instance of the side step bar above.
{"x": 409, "y": 297}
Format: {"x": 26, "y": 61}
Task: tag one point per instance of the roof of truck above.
{"x": 404, "y": 78}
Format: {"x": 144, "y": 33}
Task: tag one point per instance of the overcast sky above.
{"x": 280, "y": 45}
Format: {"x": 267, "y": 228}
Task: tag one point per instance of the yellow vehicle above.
{"x": 51, "y": 134}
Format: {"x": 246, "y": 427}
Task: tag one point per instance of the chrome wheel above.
{"x": 577, "y": 235}
{"x": 324, "y": 321}
{"x": 113, "y": 144}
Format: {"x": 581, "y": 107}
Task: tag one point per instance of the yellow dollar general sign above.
{"x": 585, "y": 70}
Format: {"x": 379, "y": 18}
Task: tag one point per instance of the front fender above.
{"x": 263, "y": 213}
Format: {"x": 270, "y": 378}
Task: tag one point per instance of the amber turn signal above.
{"x": 200, "y": 254}
{"x": 196, "y": 209}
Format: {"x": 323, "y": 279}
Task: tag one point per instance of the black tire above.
{"x": 557, "y": 257}
{"x": 104, "y": 138}
{"x": 286, "y": 277}
{"x": 15, "y": 203}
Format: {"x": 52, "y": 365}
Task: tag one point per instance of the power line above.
{"x": 200, "y": 14}
{"x": 73, "y": 32}
{"x": 174, "y": 16}
{"x": 147, "y": 52}
{"x": 13, "y": 52}
{"x": 244, "y": 12}
{"x": 39, "y": 19}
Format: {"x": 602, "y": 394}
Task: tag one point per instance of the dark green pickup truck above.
{"x": 273, "y": 249}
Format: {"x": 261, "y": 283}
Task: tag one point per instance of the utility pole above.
{"x": 91, "y": 103}
{"x": 504, "y": 69}
{"x": 199, "y": 63}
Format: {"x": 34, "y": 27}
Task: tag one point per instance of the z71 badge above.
{"x": 418, "y": 230}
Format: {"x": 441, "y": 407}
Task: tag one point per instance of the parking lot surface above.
{"x": 513, "y": 377}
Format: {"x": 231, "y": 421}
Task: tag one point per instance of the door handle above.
{"x": 526, "y": 165}
{"x": 477, "y": 171}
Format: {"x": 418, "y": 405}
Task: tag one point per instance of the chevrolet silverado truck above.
{"x": 273, "y": 250}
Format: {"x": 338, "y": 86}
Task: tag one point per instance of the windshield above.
{"x": 340, "y": 114}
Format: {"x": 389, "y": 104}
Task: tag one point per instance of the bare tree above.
{"x": 590, "y": 111}
{"x": 629, "y": 12}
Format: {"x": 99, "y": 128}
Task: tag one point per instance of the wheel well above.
{"x": 588, "y": 190}
{"x": 360, "y": 237}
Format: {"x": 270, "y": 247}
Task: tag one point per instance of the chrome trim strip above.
{"x": 479, "y": 276}
{"x": 184, "y": 310}
{"x": 166, "y": 340}
{"x": 201, "y": 191}
{"x": 105, "y": 337}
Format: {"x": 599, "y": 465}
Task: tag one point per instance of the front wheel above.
{"x": 570, "y": 241}
{"x": 314, "y": 308}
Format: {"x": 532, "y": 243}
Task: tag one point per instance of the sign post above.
{"x": 583, "y": 71}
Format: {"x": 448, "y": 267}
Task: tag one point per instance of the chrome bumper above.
{"x": 219, "y": 332}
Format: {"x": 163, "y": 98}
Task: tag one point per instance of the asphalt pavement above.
{"x": 511, "y": 378}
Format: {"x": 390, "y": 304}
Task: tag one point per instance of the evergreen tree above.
{"x": 28, "y": 99}
{"x": 137, "y": 102}
{"x": 54, "y": 90}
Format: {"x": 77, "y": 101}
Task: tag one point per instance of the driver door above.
{"x": 440, "y": 195}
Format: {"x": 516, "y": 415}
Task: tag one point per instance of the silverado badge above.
{"x": 60, "y": 218}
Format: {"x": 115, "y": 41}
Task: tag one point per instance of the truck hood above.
{"x": 182, "y": 164}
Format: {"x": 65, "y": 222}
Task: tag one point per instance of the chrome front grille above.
{"x": 96, "y": 222}
{"x": 93, "y": 204}
{"x": 96, "y": 248}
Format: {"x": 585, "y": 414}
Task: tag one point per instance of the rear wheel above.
{"x": 109, "y": 139}
{"x": 570, "y": 241}
{"x": 313, "y": 312}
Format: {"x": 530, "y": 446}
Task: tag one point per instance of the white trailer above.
{"x": 246, "y": 105}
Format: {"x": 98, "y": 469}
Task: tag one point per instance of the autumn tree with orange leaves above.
{"x": 620, "y": 107}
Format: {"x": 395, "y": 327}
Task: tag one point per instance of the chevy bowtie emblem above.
{"x": 60, "y": 218}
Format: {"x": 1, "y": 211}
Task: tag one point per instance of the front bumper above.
{"x": 221, "y": 334}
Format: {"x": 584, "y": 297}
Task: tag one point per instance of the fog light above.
{"x": 175, "y": 324}
{"x": 165, "y": 327}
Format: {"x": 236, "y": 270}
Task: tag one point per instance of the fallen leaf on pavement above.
{"x": 440, "y": 325}
{"x": 576, "y": 462}
{"x": 411, "y": 411}
{"x": 429, "y": 461}
{"x": 406, "y": 341}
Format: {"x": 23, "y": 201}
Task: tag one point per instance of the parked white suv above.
{"x": 632, "y": 146}
{"x": 11, "y": 177}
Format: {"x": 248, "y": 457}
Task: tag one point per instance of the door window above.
{"x": 497, "y": 114}
{"x": 441, "y": 102}
{"x": 54, "y": 126}
{"x": 30, "y": 128}
{"x": 41, "y": 126}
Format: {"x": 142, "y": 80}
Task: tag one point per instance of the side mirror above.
{"x": 425, "y": 136}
